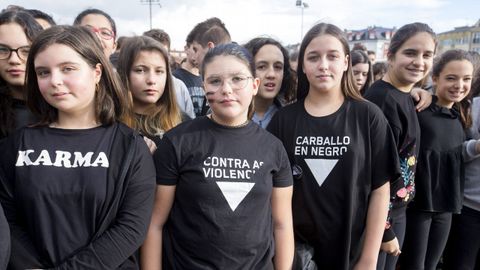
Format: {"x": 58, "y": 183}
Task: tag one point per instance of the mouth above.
{"x": 150, "y": 91}
{"x": 323, "y": 77}
{"x": 59, "y": 94}
{"x": 416, "y": 71}
{"x": 15, "y": 72}
{"x": 227, "y": 101}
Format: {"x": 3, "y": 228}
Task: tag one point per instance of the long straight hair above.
{"x": 347, "y": 85}
{"x": 111, "y": 100}
{"x": 165, "y": 114}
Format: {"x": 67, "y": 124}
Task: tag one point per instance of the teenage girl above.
{"x": 463, "y": 248}
{"x": 439, "y": 185}
{"x": 144, "y": 68}
{"x": 78, "y": 187}
{"x": 362, "y": 70}
{"x": 224, "y": 184}
{"x": 277, "y": 80}
{"x": 410, "y": 57}
{"x": 17, "y": 30}
{"x": 342, "y": 153}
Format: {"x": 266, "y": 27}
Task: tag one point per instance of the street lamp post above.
{"x": 149, "y": 3}
{"x": 302, "y": 5}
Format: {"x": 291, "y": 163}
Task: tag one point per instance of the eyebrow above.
{"x": 60, "y": 64}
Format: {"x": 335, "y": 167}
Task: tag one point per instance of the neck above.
{"x": 320, "y": 104}
{"x": 233, "y": 123}
{"x": 141, "y": 108}
{"x": 444, "y": 103}
{"x": 17, "y": 92}
{"x": 262, "y": 105}
{"x": 404, "y": 87}
{"x": 78, "y": 121}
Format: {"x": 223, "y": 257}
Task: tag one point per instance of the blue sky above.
{"x": 280, "y": 19}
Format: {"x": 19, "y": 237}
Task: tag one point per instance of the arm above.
{"x": 422, "y": 97}
{"x": 151, "y": 251}
{"x": 127, "y": 231}
{"x": 471, "y": 150}
{"x": 283, "y": 227}
{"x": 376, "y": 216}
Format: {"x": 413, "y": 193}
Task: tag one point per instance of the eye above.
{"x": 139, "y": 70}
{"x": 356, "y": 72}
{"x": 261, "y": 67}
{"x": 278, "y": 67}
{"x": 68, "y": 68}
{"x": 160, "y": 71}
{"x": 237, "y": 79}
{"x": 333, "y": 56}
{"x": 41, "y": 73}
{"x": 215, "y": 81}
{"x": 312, "y": 58}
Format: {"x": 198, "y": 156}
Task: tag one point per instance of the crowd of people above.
{"x": 241, "y": 156}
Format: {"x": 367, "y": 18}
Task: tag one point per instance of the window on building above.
{"x": 476, "y": 37}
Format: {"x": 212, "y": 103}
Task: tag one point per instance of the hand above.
{"x": 423, "y": 97}
{"x": 391, "y": 247}
{"x": 151, "y": 144}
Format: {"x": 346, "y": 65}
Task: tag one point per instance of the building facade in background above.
{"x": 464, "y": 37}
{"x": 374, "y": 38}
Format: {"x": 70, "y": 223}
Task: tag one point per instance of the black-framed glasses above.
{"x": 6, "y": 52}
{"x": 236, "y": 82}
{"x": 103, "y": 32}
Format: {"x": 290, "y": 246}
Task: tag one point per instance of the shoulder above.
{"x": 290, "y": 109}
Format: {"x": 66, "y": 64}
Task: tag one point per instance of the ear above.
{"x": 345, "y": 68}
{"x": 255, "y": 85}
{"x": 210, "y": 45}
{"x": 434, "y": 80}
{"x": 114, "y": 46}
{"x": 98, "y": 72}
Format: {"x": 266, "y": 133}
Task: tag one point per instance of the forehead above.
{"x": 152, "y": 57}
{"x": 324, "y": 43}
{"x": 224, "y": 65}
{"x": 12, "y": 34}
{"x": 361, "y": 67}
{"x": 422, "y": 41}
{"x": 57, "y": 53}
{"x": 96, "y": 20}
{"x": 269, "y": 52}
{"x": 458, "y": 67}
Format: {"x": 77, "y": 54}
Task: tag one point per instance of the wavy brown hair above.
{"x": 165, "y": 114}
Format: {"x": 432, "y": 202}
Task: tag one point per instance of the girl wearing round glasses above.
{"x": 17, "y": 30}
{"x": 223, "y": 183}
{"x": 102, "y": 25}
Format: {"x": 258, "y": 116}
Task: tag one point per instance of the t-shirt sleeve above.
{"x": 127, "y": 232}
{"x": 283, "y": 176}
{"x": 385, "y": 163}
{"x": 166, "y": 163}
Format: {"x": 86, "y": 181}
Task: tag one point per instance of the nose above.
{"x": 270, "y": 72}
{"x": 151, "y": 78}
{"x": 226, "y": 87}
{"x": 322, "y": 63}
{"x": 55, "y": 78}
{"x": 418, "y": 61}
{"x": 14, "y": 58}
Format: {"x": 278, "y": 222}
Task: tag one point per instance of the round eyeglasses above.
{"x": 236, "y": 82}
{"x": 103, "y": 32}
{"x": 6, "y": 52}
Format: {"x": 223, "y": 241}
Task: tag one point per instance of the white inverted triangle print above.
{"x": 235, "y": 192}
{"x": 321, "y": 168}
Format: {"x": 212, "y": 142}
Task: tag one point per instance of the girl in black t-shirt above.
{"x": 439, "y": 179}
{"x": 78, "y": 186}
{"x": 224, "y": 183}
{"x": 342, "y": 153}
{"x": 410, "y": 58}
{"x": 277, "y": 79}
{"x": 17, "y": 31}
{"x": 143, "y": 66}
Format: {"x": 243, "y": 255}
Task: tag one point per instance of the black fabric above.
{"x": 425, "y": 239}
{"x": 399, "y": 109}
{"x": 194, "y": 85}
{"x": 22, "y": 116}
{"x": 463, "y": 247}
{"x": 4, "y": 240}
{"x": 221, "y": 217}
{"x": 72, "y": 213}
{"x": 337, "y": 160}
{"x": 439, "y": 180}
{"x": 399, "y": 223}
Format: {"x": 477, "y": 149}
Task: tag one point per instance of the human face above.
{"x": 453, "y": 83}
{"x": 229, "y": 106}
{"x": 360, "y": 74}
{"x": 198, "y": 53}
{"x": 66, "y": 81}
{"x": 148, "y": 76}
{"x": 100, "y": 23}
{"x": 12, "y": 69}
{"x": 372, "y": 57}
{"x": 412, "y": 62}
{"x": 324, "y": 63}
{"x": 269, "y": 69}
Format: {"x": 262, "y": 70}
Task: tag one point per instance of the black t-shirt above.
{"x": 337, "y": 161}
{"x": 4, "y": 241}
{"x": 194, "y": 85}
{"x": 439, "y": 180}
{"x": 221, "y": 217}
{"x": 57, "y": 186}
